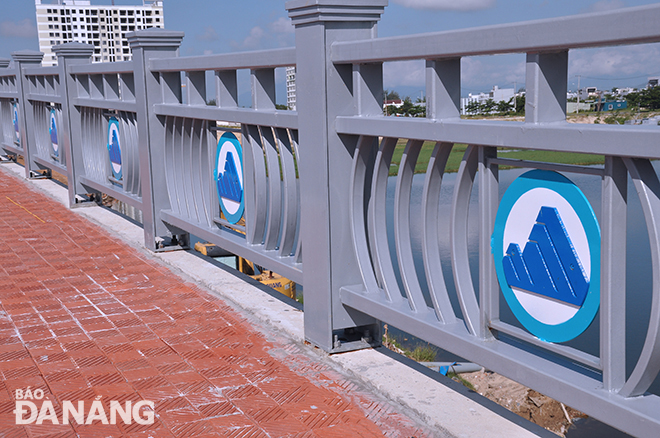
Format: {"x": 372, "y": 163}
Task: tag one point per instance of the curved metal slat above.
{"x": 290, "y": 196}
{"x": 458, "y": 236}
{"x": 202, "y": 172}
{"x": 135, "y": 156}
{"x": 128, "y": 162}
{"x": 431, "y": 233}
{"x": 126, "y": 146}
{"x": 41, "y": 131}
{"x": 648, "y": 188}
{"x": 255, "y": 186}
{"x": 298, "y": 244}
{"x": 170, "y": 137}
{"x": 404, "y": 253}
{"x": 357, "y": 212}
{"x": 380, "y": 248}
{"x": 274, "y": 189}
{"x": 60, "y": 139}
{"x": 183, "y": 169}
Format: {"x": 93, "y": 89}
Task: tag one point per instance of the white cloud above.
{"x": 617, "y": 62}
{"x": 253, "y": 40}
{"x": 606, "y": 5}
{"x": 208, "y": 52}
{"x": 403, "y": 73}
{"x": 282, "y": 25}
{"x": 447, "y": 5}
{"x": 209, "y": 34}
{"x": 22, "y": 29}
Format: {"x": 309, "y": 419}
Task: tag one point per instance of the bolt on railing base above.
{"x": 44, "y": 174}
{"x": 9, "y": 158}
{"x": 355, "y": 338}
{"x": 174, "y": 243}
{"x": 87, "y": 200}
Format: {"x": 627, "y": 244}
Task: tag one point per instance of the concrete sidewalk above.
{"x": 88, "y": 314}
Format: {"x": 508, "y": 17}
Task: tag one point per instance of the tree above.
{"x": 488, "y": 106}
{"x": 648, "y": 98}
{"x": 472, "y": 107}
{"x": 504, "y": 106}
{"x": 520, "y": 104}
{"x": 391, "y": 95}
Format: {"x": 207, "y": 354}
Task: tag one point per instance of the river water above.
{"x": 638, "y": 262}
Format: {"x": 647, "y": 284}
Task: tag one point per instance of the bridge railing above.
{"x": 321, "y": 176}
{"x": 43, "y": 100}
{"x": 8, "y": 101}
{"x": 192, "y": 157}
{"x": 463, "y": 313}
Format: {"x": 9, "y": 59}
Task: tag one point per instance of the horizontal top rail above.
{"x": 637, "y": 141}
{"x": 6, "y": 72}
{"x": 41, "y": 71}
{"x": 120, "y": 67}
{"x": 626, "y": 26}
{"x": 278, "y": 118}
{"x": 228, "y": 61}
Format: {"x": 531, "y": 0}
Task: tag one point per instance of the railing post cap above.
{"x": 314, "y": 11}
{"x": 73, "y": 50}
{"x": 154, "y": 37}
{"x": 4, "y": 62}
{"x": 27, "y": 56}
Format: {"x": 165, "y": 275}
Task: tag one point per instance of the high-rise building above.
{"x": 291, "y": 87}
{"x": 104, "y": 26}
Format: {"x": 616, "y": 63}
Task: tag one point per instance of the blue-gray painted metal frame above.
{"x": 320, "y": 176}
{"x": 598, "y": 385}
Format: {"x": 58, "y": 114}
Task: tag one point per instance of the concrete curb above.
{"x": 439, "y": 404}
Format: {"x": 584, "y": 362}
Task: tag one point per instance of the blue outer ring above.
{"x": 50, "y": 132}
{"x": 14, "y": 114}
{"x": 117, "y": 175}
{"x": 564, "y": 187}
{"x": 228, "y": 136}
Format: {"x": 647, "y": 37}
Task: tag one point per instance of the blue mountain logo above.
{"x": 549, "y": 265}
{"x": 229, "y": 184}
{"x": 16, "y": 122}
{"x": 53, "y": 132}
{"x": 114, "y": 150}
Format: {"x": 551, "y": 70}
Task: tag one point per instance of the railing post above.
{"x": 146, "y": 45}
{"x": 546, "y": 85}
{"x": 26, "y": 116}
{"x": 325, "y": 91}
{"x": 69, "y": 54}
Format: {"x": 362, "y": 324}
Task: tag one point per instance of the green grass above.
{"x": 458, "y": 151}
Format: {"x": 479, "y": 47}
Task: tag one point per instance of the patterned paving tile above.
{"x": 91, "y": 320}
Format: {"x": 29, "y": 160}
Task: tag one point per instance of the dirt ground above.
{"x": 529, "y": 404}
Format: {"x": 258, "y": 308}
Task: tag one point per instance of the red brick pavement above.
{"x": 85, "y": 317}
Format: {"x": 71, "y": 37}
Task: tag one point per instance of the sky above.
{"x": 222, "y": 26}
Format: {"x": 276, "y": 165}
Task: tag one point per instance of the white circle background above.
{"x": 114, "y": 128}
{"x": 56, "y": 146}
{"x": 231, "y": 206}
{"x": 522, "y": 218}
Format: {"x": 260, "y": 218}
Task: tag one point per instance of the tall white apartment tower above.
{"x": 104, "y": 27}
{"x": 291, "y": 87}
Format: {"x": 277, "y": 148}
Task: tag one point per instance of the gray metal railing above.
{"x": 321, "y": 175}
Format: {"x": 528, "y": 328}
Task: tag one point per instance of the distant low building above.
{"x": 397, "y": 103}
{"x": 497, "y": 94}
{"x": 612, "y": 105}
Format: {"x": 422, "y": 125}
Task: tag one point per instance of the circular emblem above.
{"x": 17, "y": 132}
{"x": 228, "y": 175}
{"x": 52, "y": 130}
{"x": 546, "y": 248}
{"x": 114, "y": 148}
